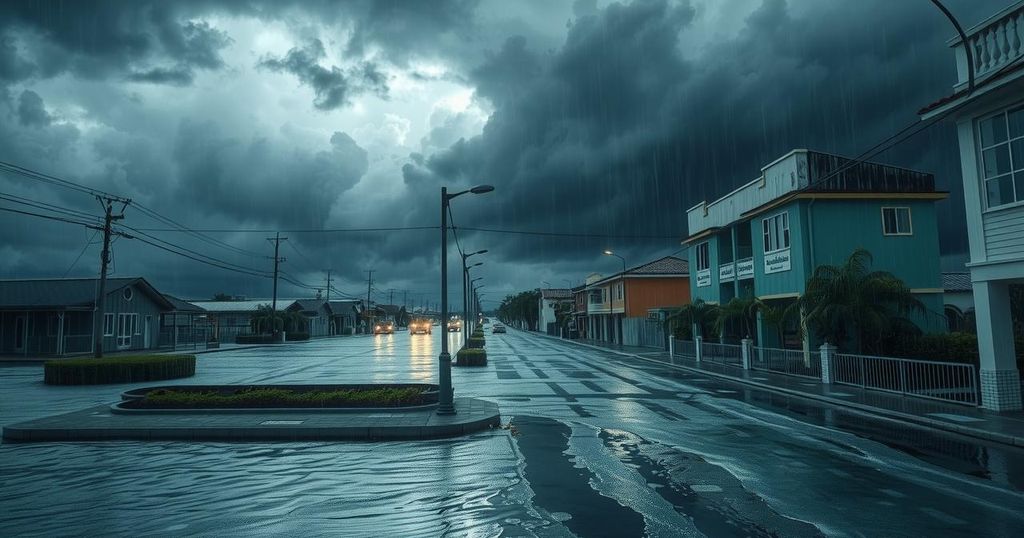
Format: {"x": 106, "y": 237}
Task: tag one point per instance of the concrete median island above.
{"x": 264, "y": 413}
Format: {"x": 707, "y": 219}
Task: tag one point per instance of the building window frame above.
{"x": 896, "y": 221}
{"x": 703, "y": 256}
{"x": 775, "y": 234}
{"x": 1015, "y": 174}
{"x": 108, "y": 324}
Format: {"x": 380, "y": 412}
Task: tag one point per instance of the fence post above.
{"x": 698, "y": 342}
{"x": 747, "y": 348}
{"x": 828, "y": 360}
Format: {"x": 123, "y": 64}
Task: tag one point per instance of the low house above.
{"x": 617, "y": 308}
{"x": 185, "y": 326}
{"x": 578, "y": 324}
{"x": 551, "y": 300}
{"x": 228, "y": 319}
{"x": 957, "y": 299}
{"x": 316, "y": 313}
{"x": 55, "y": 316}
{"x": 344, "y": 316}
{"x": 393, "y": 313}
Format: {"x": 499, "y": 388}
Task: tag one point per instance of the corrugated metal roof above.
{"x": 957, "y": 282}
{"x": 309, "y": 305}
{"x": 241, "y": 306}
{"x": 65, "y": 292}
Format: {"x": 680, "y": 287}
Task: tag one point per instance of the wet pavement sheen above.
{"x": 594, "y": 446}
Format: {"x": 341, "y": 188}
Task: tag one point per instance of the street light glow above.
{"x": 608, "y": 252}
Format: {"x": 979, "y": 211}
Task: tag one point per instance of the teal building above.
{"x": 806, "y": 209}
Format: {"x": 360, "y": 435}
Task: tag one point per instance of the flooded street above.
{"x": 596, "y": 447}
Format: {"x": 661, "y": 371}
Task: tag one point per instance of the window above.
{"x": 128, "y": 294}
{"x": 896, "y": 221}
{"x": 1002, "y": 157}
{"x": 108, "y": 325}
{"x": 135, "y": 324}
{"x": 703, "y": 256}
{"x": 776, "y": 232}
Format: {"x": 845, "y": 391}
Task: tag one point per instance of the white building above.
{"x": 990, "y": 128}
{"x": 547, "y": 322}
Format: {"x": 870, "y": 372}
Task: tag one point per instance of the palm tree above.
{"x": 739, "y": 310}
{"x": 265, "y": 319}
{"x": 697, "y": 314}
{"x": 849, "y": 301}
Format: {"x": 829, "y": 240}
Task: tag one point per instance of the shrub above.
{"x": 952, "y": 347}
{"x": 471, "y": 357}
{"x": 296, "y": 337}
{"x": 256, "y": 397}
{"x": 129, "y": 369}
{"x": 474, "y": 343}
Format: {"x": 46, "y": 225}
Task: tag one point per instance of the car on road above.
{"x": 498, "y": 328}
{"x": 454, "y": 325}
{"x": 384, "y": 327}
{"x": 420, "y": 326}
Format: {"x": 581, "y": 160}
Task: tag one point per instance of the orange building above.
{"x": 618, "y": 305}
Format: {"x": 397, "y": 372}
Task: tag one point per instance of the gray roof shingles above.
{"x": 956, "y": 282}
{"x": 55, "y": 292}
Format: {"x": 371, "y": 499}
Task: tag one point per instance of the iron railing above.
{"x": 795, "y": 362}
{"x": 945, "y": 381}
{"x": 686, "y": 349}
{"x": 727, "y": 354}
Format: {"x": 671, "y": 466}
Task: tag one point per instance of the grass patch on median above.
{"x": 123, "y": 369}
{"x": 256, "y": 397}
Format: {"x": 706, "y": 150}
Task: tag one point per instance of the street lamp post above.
{"x": 446, "y": 396}
{"x": 610, "y": 253}
{"x": 470, "y": 300}
{"x": 465, "y": 288}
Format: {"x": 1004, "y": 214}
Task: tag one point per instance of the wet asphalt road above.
{"x": 595, "y": 445}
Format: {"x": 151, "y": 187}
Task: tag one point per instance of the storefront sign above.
{"x": 726, "y": 272}
{"x": 704, "y": 278}
{"x": 745, "y": 268}
{"x": 777, "y": 262}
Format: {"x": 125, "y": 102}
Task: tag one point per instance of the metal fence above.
{"x": 787, "y": 361}
{"x": 643, "y": 332}
{"x": 686, "y": 349}
{"x": 946, "y": 381}
{"x": 727, "y": 354}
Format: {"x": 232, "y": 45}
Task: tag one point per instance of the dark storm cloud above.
{"x": 619, "y": 132}
{"x": 256, "y": 180}
{"x": 31, "y": 110}
{"x": 99, "y": 39}
{"x": 333, "y": 87}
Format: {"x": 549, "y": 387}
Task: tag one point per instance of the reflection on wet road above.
{"x": 598, "y": 445}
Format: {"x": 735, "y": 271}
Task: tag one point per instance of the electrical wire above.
{"x": 88, "y": 242}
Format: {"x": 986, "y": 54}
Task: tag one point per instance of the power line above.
{"x": 50, "y": 217}
{"x": 54, "y": 180}
{"x": 88, "y": 242}
{"x": 298, "y": 230}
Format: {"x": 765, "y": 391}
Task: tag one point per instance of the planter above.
{"x": 471, "y": 357}
{"x": 264, "y": 398}
{"x": 213, "y": 345}
{"x": 130, "y": 369}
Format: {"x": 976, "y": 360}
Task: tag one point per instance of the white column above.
{"x": 697, "y": 341}
{"x": 1000, "y": 381}
{"x": 828, "y": 361}
{"x": 746, "y": 346}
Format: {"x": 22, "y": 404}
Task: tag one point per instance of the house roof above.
{"x": 307, "y": 305}
{"x": 1003, "y": 73}
{"x": 242, "y": 306}
{"x": 390, "y": 308}
{"x": 957, "y": 282}
{"x": 182, "y": 306}
{"x": 556, "y": 293}
{"x": 343, "y": 307}
{"x": 58, "y": 293}
{"x": 669, "y": 266}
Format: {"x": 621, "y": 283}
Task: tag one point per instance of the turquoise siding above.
{"x": 826, "y": 232}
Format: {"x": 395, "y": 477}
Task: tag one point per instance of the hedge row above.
{"x": 128, "y": 369}
{"x": 296, "y": 337}
{"x": 471, "y": 357}
{"x": 255, "y": 339}
{"x": 474, "y": 343}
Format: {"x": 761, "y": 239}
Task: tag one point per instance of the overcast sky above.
{"x": 588, "y": 116}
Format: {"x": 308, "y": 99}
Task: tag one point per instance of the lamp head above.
{"x": 481, "y": 189}
{"x": 608, "y": 252}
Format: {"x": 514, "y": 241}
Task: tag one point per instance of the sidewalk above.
{"x": 1005, "y": 428}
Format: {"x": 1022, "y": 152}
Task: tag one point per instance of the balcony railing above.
{"x": 994, "y": 43}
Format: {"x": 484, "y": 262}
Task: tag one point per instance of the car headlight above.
{"x": 378, "y": 327}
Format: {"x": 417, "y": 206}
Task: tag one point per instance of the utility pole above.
{"x": 101, "y": 292}
{"x": 391, "y": 296}
{"x": 328, "y": 284}
{"x": 405, "y": 299}
{"x": 277, "y": 260}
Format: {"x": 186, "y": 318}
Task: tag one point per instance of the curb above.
{"x": 874, "y": 412}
